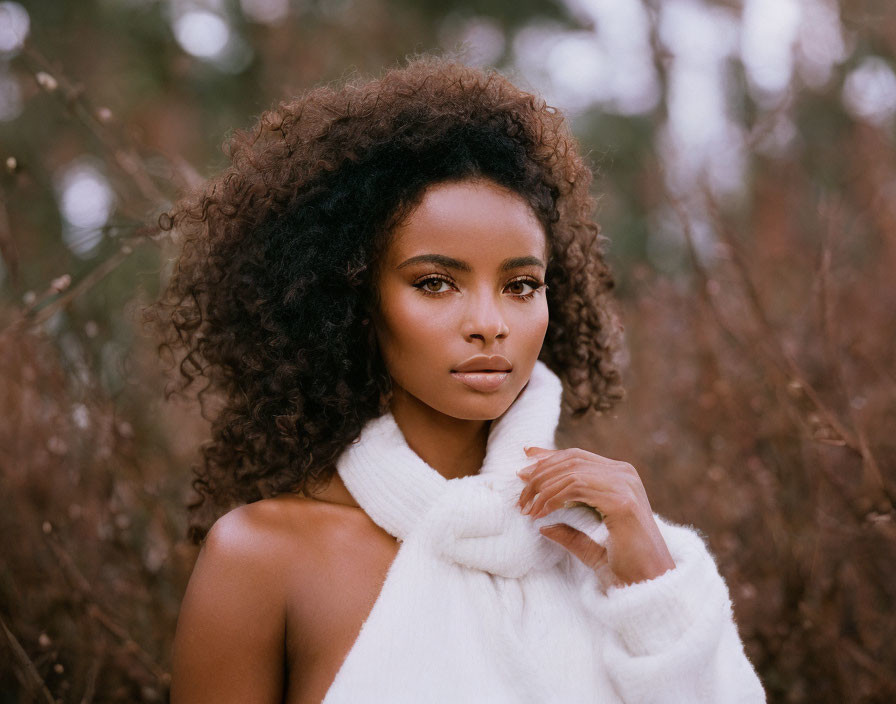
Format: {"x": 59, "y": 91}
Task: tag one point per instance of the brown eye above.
{"x": 518, "y": 287}
{"x": 432, "y": 285}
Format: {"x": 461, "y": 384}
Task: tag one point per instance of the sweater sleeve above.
{"x": 671, "y": 638}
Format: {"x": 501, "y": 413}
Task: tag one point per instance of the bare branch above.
{"x": 97, "y": 613}
{"x": 28, "y": 674}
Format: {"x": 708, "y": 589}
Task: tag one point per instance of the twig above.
{"x": 124, "y": 152}
{"x": 873, "y": 477}
{"x": 700, "y": 272}
{"x": 28, "y": 320}
{"x": 8, "y": 250}
{"x": 769, "y": 333}
{"x": 31, "y": 679}
{"x": 778, "y": 358}
{"x": 92, "y": 674}
{"x": 122, "y": 148}
{"x": 96, "y": 612}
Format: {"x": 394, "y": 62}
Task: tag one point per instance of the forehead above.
{"x": 477, "y": 221}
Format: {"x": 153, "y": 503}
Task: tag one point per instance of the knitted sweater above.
{"x": 478, "y": 606}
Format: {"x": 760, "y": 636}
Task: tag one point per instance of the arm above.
{"x": 662, "y": 612}
{"x": 671, "y": 638}
{"x": 229, "y": 645}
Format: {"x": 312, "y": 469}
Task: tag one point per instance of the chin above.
{"x": 481, "y": 406}
{"x": 455, "y": 400}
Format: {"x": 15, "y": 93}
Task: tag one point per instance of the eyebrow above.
{"x": 452, "y": 263}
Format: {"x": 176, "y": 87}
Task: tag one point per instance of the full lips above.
{"x": 482, "y": 381}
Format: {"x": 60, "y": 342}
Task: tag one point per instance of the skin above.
{"x": 434, "y": 315}
{"x": 423, "y": 335}
{"x": 462, "y": 275}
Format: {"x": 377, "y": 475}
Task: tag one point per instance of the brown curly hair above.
{"x": 267, "y": 298}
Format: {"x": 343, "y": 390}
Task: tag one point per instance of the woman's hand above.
{"x": 561, "y": 478}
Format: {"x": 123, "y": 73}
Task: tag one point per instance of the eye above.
{"x": 518, "y": 287}
{"x": 432, "y": 285}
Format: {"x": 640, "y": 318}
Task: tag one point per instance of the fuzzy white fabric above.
{"x": 478, "y": 606}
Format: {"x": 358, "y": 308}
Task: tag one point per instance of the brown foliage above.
{"x": 93, "y": 559}
{"x": 761, "y": 407}
{"x": 764, "y": 420}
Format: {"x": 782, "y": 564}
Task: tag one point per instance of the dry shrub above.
{"x": 761, "y": 409}
{"x": 94, "y": 560}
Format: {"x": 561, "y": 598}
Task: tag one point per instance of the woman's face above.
{"x": 463, "y": 278}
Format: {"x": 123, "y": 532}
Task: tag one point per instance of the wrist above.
{"x": 646, "y": 554}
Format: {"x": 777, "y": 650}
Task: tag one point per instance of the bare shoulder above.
{"x": 252, "y": 531}
{"x": 229, "y": 644}
{"x": 277, "y": 530}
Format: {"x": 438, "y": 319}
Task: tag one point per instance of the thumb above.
{"x": 591, "y": 554}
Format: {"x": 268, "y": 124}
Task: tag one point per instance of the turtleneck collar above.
{"x": 472, "y": 520}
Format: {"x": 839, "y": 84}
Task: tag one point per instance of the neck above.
{"x": 454, "y": 447}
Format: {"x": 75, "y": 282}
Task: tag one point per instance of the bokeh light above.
{"x": 14, "y": 26}
{"x": 820, "y": 45}
{"x": 86, "y": 201}
{"x": 201, "y": 33}
{"x": 607, "y": 65}
{"x": 622, "y": 28}
{"x": 869, "y": 92}
{"x": 700, "y": 139}
{"x": 768, "y": 36}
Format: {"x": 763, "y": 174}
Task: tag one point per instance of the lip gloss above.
{"x": 482, "y": 381}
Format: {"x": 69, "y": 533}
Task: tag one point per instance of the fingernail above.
{"x": 528, "y": 505}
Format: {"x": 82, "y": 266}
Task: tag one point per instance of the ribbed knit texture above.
{"x": 478, "y": 606}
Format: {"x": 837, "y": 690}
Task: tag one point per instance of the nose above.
{"x": 484, "y": 320}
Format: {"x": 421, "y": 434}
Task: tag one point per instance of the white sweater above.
{"x": 478, "y": 606}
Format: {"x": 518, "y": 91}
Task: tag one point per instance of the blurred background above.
{"x": 746, "y": 173}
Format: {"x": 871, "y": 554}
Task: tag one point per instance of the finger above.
{"x": 590, "y": 553}
{"x": 563, "y": 494}
{"x": 541, "y": 470}
{"x": 533, "y": 450}
{"x": 547, "y": 491}
{"x": 538, "y": 480}
{"x": 535, "y": 484}
{"x": 542, "y": 453}
{"x": 600, "y": 477}
{"x": 567, "y": 494}
{"x": 548, "y": 463}
{"x": 536, "y": 454}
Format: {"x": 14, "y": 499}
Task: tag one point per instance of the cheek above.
{"x": 406, "y": 324}
{"x": 532, "y": 323}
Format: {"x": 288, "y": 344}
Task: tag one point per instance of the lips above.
{"x": 484, "y": 381}
{"x": 485, "y": 364}
{"x": 483, "y": 372}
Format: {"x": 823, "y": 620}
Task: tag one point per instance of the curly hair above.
{"x": 275, "y": 277}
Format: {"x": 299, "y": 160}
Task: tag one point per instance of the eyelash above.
{"x": 534, "y": 283}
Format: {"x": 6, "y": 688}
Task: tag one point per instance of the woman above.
{"x": 389, "y": 291}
